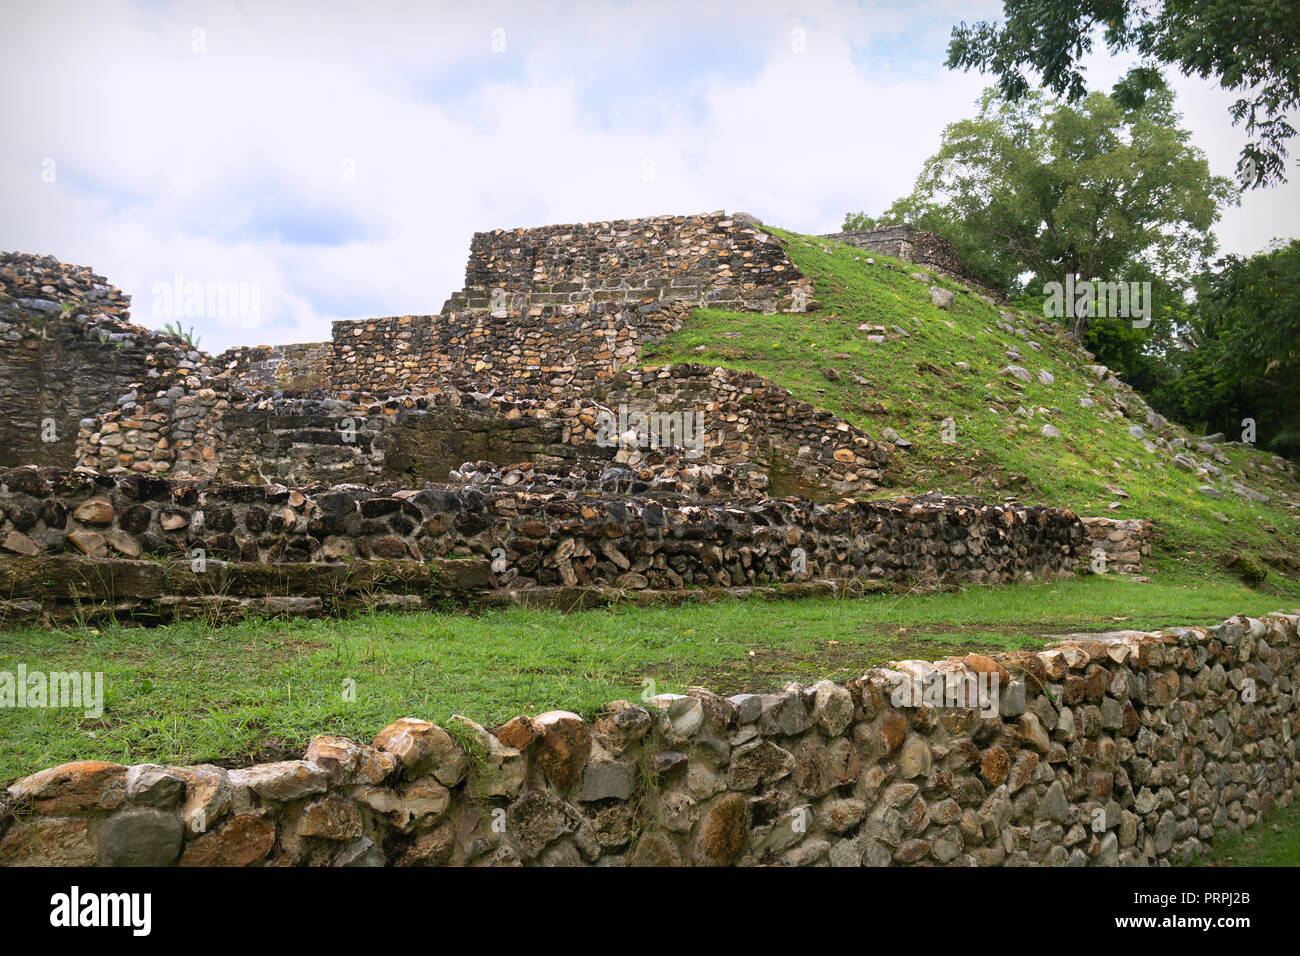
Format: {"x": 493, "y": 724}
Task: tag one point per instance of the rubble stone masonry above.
{"x": 1125, "y": 749}
{"x": 561, "y": 306}
{"x": 420, "y": 438}
{"x": 66, "y": 536}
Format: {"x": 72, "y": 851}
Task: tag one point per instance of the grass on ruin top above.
{"x": 259, "y": 690}
{"x": 912, "y": 384}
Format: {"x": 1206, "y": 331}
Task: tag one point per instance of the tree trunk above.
{"x": 1078, "y": 326}
{"x": 1078, "y": 323}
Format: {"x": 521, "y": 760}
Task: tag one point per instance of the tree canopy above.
{"x": 1098, "y": 190}
{"x": 1250, "y": 46}
{"x": 1234, "y": 354}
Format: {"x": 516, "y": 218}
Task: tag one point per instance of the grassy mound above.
{"x": 876, "y": 351}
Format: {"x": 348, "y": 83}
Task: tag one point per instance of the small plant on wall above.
{"x": 185, "y": 335}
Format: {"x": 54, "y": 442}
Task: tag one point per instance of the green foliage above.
{"x": 1256, "y": 302}
{"x": 182, "y": 333}
{"x": 854, "y": 221}
{"x": 1142, "y": 356}
{"x": 1096, "y": 190}
{"x": 1248, "y": 45}
{"x": 1236, "y": 353}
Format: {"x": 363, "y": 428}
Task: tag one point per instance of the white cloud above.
{"x": 217, "y": 164}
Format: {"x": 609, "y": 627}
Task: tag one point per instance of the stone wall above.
{"x": 289, "y": 368}
{"x": 1121, "y": 749}
{"x": 706, "y": 259}
{"x": 548, "y": 349}
{"x": 912, "y": 245}
{"x": 938, "y": 253}
{"x": 303, "y": 441}
{"x": 545, "y": 313}
{"x": 68, "y": 355}
{"x": 62, "y": 590}
{"x": 555, "y": 309}
{"x": 177, "y": 430}
{"x": 538, "y": 537}
{"x": 1121, "y": 543}
{"x": 896, "y": 242}
{"x": 421, "y": 438}
{"x": 805, "y": 451}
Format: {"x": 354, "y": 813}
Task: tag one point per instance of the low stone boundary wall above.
{"x": 1124, "y": 749}
{"x": 545, "y": 537}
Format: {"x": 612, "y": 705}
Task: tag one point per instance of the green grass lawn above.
{"x": 261, "y": 689}
{"x": 1273, "y": 841}
{"x": 912, "y": 385}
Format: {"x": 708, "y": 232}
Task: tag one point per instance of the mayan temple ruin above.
{"x": 518, "y": 449}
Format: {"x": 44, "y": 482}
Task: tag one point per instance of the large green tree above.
{"x": 1244, "y": 357}
{"x": 1250, "y": 46}
{"x": 1229, "y": 359}
{"x": 1098, "y": 190}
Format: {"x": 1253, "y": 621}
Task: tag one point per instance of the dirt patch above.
{"x": 268, "y": 751}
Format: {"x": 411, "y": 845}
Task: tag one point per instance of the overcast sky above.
{"x": 341, "y": 156}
